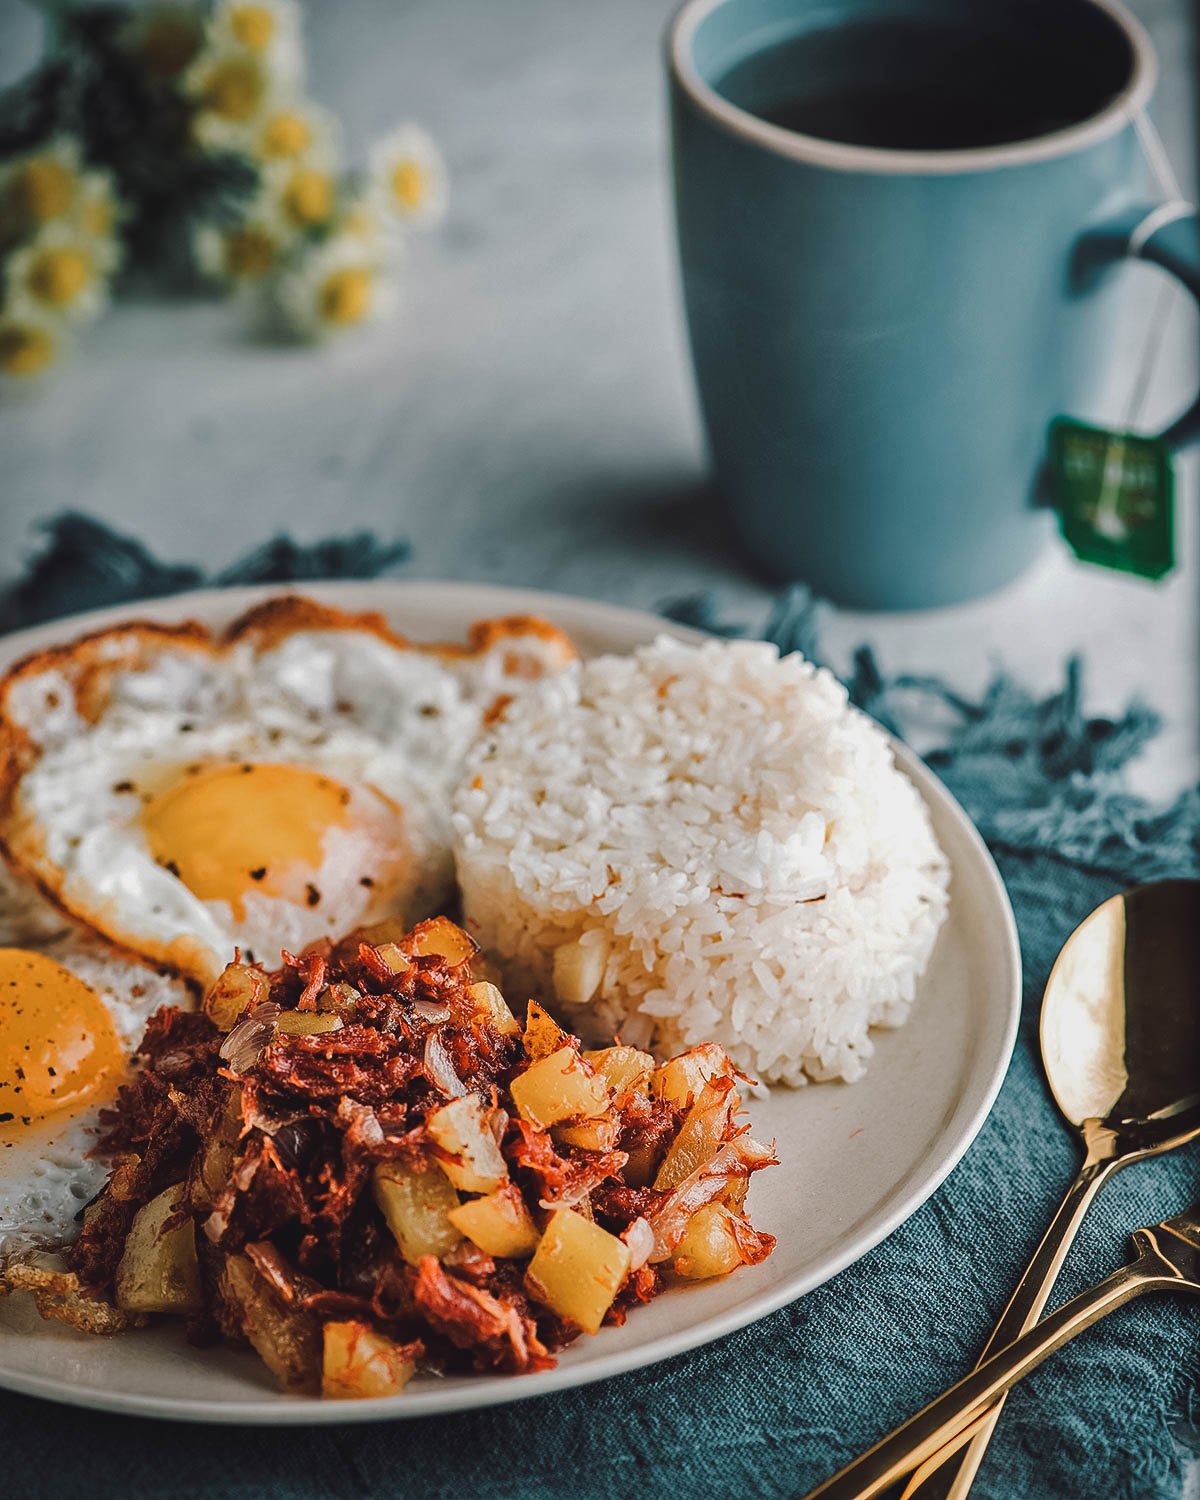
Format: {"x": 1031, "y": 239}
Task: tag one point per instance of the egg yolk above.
{"x": 229, "y": 829}
{"x": 58, "y": 1045}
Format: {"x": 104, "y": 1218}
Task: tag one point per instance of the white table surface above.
{"x": 529, "y": 418}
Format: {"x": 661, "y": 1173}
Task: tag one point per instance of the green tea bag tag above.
{"x": 1115, "y": 497}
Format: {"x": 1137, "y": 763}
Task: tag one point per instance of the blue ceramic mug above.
{"x": 891, "y": 214}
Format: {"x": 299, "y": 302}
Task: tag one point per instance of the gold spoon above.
{"x": 1168, "y": 1259}
{"x": 1120, "y": 1039}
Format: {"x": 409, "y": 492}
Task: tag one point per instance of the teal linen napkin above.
{"x": 770, "y": 1411}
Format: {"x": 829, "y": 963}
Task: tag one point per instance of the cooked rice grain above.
{"x": 728, "y": 841}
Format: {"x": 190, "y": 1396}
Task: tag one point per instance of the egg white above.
{"x": 385, "y": 721}
{"x": 46, "y": 1175}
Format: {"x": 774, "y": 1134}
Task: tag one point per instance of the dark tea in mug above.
{"x": 931, "y": 82}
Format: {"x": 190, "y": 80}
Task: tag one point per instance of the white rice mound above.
{"x": 728, "y": 841}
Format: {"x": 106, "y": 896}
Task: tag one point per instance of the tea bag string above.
{"x": 1174, "y": 206}
{"x": 1108, "y": 519}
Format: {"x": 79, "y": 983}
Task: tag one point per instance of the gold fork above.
{"x": 1167, "y": 1259}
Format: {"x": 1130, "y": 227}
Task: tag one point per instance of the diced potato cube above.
{"x": 491, "y": 1002}
{"x": 441, "y": 937}
{"x": 558, "y": 1088}
{"x": 462, "y": 1128}
{"x": 700, "y": 1135}
{"x": 340, "y": 999}
{"x": 392, "y": 957}
{"x": 219, "y": 1150}
{"x": 599, "y": 1134}
{"x": 680, "y": 1080}
{"x": 415, "y": 1206}
{"x": 543, "y": 1034}
{"x": 158, "y": 1271}
{"x": 639, "y": 1170}
{"x": 577, "y": 1269}
{"x": 359, "y": 1362}
{"x": 579, "y": 968}
{"x": 236, "y": 987}
{"x": 388, "y": 930}
{"x": 622, "y": 1067}
{"x": 708, "y": 1247}
{"x": 499, "y": 1224}
{"x": 286, "y": 1339}
{"x": 307, "y": 1022}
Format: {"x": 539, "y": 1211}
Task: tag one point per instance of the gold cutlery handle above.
{"x": 921, "y": 1436}
{"x": 950, "y": 1477}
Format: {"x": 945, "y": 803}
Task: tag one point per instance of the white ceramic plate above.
{"x": 855, "y": 1161}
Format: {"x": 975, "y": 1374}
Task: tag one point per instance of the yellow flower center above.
{"x": 253, "y": 26}
{"x": 42, "y": 189}
{"x": 346, "y": 296}
{"x": 58, "y": 276}
{"x": 286, "y": 135}
{"x": 249, "y": 253}
{"x": 24, "y": 351}
{"x": 169, "y": 42}
{"x": 234, "y": 89}
{"x": 409, "y": 184}
{"x": 308, "y": 198}
{"x": 96, "y": 216}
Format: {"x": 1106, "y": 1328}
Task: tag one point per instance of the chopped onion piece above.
{"x": 640, "y": 1239}
{"x": 268, "y": 1261}
{"x": 250, "y": 1038}
{"x": 737, "y": 1158}
{"x": 439, "y": 1069}
{"x": 433, "y": 1011}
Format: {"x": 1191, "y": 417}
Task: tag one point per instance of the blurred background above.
{"x": 528, "y": 416}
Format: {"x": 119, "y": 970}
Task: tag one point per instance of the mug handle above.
{"x": 1167, "y": 235}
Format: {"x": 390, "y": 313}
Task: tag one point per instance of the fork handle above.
{"x": 921, "y": 1436}
{"x": 951, "y": 1480}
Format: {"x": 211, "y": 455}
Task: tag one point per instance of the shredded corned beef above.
{"x": 317, "y": 1147}
{"x": 496, "y": 1330}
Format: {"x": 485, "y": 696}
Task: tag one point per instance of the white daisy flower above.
{"x": 165, "y": 39}
{"x": 300, "y": 196}
{"x": 267, "y": 29}
{"x": 408, "y": 177}
{"x": 29, "y": 346}
{"x": 243, "y": 255}
{"x": 62, "y": 274}
{"x": 287, "y": 130}
{"x": 228, "y": 85}
{"x": 97, "y": 210}
{"x": 38, "y": 187}
{"x": 339, "y": 285}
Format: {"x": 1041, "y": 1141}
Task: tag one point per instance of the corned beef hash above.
{"x": 362, "y": 1164}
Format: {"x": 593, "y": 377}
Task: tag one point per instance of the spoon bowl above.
{"x": 1120, "y": 1027}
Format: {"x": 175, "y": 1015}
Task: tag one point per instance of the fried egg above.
{"x": 71, "y": 1014}
{"x": 188, "y": 795}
